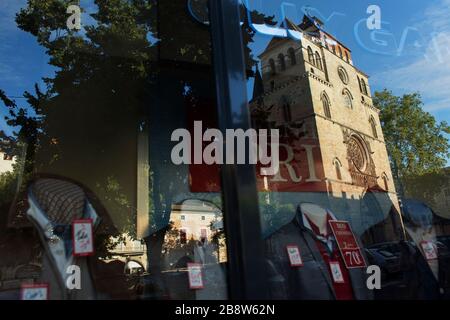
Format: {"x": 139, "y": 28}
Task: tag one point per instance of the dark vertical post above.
{"x": 241, "y": 212}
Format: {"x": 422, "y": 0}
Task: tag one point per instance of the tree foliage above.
{"x": 416, "y": 141}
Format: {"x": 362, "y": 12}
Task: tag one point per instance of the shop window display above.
{"x": 92, "y": 205}
{"x": 312, "y": 186}
{"x": 98, "y": 150}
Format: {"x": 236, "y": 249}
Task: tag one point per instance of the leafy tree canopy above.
{"x": 416, "y": 141}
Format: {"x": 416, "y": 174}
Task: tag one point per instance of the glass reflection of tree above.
{"x": 97, "y": 93}
{"x": 100, "y": 91}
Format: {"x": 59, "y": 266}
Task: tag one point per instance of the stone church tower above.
{"x": 314, "y": 85}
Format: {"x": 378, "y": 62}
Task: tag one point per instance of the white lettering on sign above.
{"x": 235, "y": 150}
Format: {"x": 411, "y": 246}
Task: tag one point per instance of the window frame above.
{"x": 318, "y": 60}
{"x": 373, "y": 127}
{"x": 282, "y": 62}
{"x": 242, "y": 224}
{"x": 292, "y": 56}
{"x": 326, "y": 105}
{"x": 347, "y": 94}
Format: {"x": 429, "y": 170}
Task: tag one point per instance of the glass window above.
{"x": 326, "y": 105}
{"x": 318, "y": 60}
{"x": 112, "y": 135}
{"x": 300, "y": 204}
{"x": 311, "y": 56}
{"x": 292, "y": 56}
{"x": 373, "y": 126}
{"x": 347, "y": 99}
{"x": 282, "y": 62}
{"x": 93, "y": 123}
{"x": 273, "y": 68}
{"x": 343, "y": 75}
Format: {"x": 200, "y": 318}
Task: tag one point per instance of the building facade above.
{"x": 314, "y": 85}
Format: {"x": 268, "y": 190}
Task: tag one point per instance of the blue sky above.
{"x": 422, "y": 64}
{"x": 410, "y": 53}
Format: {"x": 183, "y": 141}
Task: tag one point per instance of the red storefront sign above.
{"x": 300, "y": 159}
{"x": 348, "y": 246}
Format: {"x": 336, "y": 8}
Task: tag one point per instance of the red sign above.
{"x": 348, "y": 246}
{"x": 300, "y": 167}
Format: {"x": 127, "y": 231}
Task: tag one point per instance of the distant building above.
{"x": 132, "y": 252}
{"x": 6, "y": 162}
{"x": 194, "y": 220}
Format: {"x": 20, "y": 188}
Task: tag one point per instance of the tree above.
{"x": 428, "y": 188}
{"x": 415, "y": 141}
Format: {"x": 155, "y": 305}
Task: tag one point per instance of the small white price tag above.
{"x": 336, "y": 272}
{"x": 429, "y": 250}
{"x": 83, "y": 239}
{"x": 195, "y": 276}
{"x": 295, "y": 258}
{"x": 34, "y": 292}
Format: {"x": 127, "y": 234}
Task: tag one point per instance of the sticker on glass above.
{"x": 34, "y": 292}
{"x": 83, "y": 239}
{"x": 295, "y": 258}
{"x": 429, "y": 250}
{"x": 336, "y": 272}
{"x": 195, "y": 276}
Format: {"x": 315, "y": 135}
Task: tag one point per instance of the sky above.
{"x": 411, "y": 53}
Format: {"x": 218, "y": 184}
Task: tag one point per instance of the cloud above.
{"x": 428, "y": 73}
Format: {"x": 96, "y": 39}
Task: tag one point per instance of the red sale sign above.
{"x": 348, "y": 246}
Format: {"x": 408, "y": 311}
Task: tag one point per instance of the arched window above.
{"x": 334, "y": 49}
{"x": 291, "y": 53}
{"x": 340, "y": 52}
{"x": 273, "y": 69}
{"x": 363, "y": 86}
{"x": 347, "y": 99}
{"x": 343, "y": 75}
{"x": 310, "y": 56}
{"x": 318, "y": 60}
{"x": 326, "y": 105}
{"x": 337, "y": 167}
{"x": 347, "y": 57}
{"x": 285, "y": 104}
{"x": 373, "y": 126}
{"x": 287, "y": 112}
{"x": 385, "y": 182}
{"x": 282, "y": 62}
